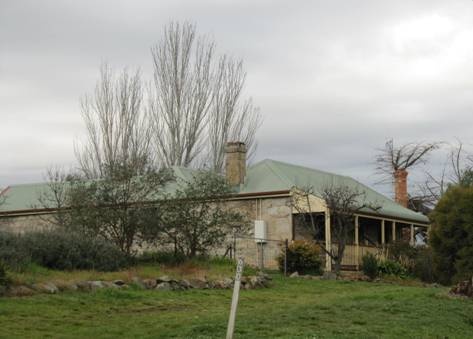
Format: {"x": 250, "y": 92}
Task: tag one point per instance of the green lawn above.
{"x": 291, "y": 308}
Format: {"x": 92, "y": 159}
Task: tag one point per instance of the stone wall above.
{"x": 275, "y": 211}
{"x": 22, "y": 224}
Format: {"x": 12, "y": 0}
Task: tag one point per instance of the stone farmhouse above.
{"x": 265, "y": 193}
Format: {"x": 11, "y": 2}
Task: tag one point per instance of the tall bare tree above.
{"x": 457, "y": 170}
{"x": 392, "y": 158}
{"x": 195, "y": 100}
{"x": 118, "y": 130}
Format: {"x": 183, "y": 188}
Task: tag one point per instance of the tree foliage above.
{"x": 120, "y": 207}
{"x": 451, "y": 236}
{"x": 196, "y": 218}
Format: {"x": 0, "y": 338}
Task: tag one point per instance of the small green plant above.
{"x": 390, "y": 267}
{"x": 302, "y": 257}
{"x": 370, "y": 265}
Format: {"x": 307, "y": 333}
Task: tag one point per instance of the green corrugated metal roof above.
{"x": 270, "y": 175}
{"x": 265, "y": 176}
{"x": 22, "y": 197}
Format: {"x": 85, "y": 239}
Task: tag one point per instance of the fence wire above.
{"x": 261, "y": 253}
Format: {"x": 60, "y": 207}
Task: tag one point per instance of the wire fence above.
{"x": 265, "y": 254}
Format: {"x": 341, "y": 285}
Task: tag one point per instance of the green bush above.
{"x": 168, "y": 258}
{"x": 12, "y": 254}
{"x": 302, "y": 257}
{"x": 403, "y": 253}
{"x": 451, "y": 236}
{"x": 390, "y": 267}
{"x": 370, "y": 265}
{"x": 4, "y": 279}
{"x": 423, "y": 265}
{"x": 60, "y": 250}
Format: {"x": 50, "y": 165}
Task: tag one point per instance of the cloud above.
{"x": 333, "y": 80}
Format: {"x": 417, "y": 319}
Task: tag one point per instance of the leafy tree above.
{"x": 196, "y": 216}
{"x": 451, "y": 236}
{"x": 120, "y": 207}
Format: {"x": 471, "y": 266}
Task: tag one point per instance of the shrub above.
{"x": 390, "y": 267}
{"x": 12, "y": 254}
{"x": 168, "y": 258}
{"x": 370, "y": 265}
{"x": 403, "y": 253}
{"x": 302, "y": 257}
{"x": 61, "y": 250}
{"x": 451, "y": 236}
{"x": 4, "y": 279}
{"x": 423, "y": 265}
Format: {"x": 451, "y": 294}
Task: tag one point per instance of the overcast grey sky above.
{"x": 333, "y": 79}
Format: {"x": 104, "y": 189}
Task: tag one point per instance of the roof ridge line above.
{"x": 278, "y": 173}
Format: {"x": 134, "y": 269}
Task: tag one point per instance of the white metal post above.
{"x": 236, "y": 295}
{"x": 328, "y": 241}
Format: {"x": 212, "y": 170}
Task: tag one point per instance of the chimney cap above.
{"x": 235, "y": 146}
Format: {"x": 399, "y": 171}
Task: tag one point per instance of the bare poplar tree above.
{"x": 229, "y": 120}
{"x": 117, "y": 127}
{"x": 195, "y": 100}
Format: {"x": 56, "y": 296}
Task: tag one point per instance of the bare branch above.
{"x": 392, "y": 158}
{"x": 117, "y": 126}
{"x": 195, "y": 102}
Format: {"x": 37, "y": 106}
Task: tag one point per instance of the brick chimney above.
{"x": 235, "y": 163}
{"x": 400, "y": 187}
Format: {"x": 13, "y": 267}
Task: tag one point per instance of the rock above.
{"x": 149, "y": 283}
{"x": 138, "y": 282}
{"x": 329, "y": 276}
{"x": 464, "y": 288}
{"x": 164, "y": 278}
{"x": 185, "y": 284}
{"x": 70, "y": 287}
{"x": 96, "y": 285}
{"x": 49, "y": 288}
{"x": 66, "y": 286}
{"x": 227, "y": 283}
{"x": 265, "y": 276}
{"x": 20, "y": 291}
{"x": 109, "y": 284}
{"x": 164, "y": 286}
{"x": 255, "y": 282}
{"x": 83, "y": 285}
{"x": 294, "y": 275}
{"x": 198, "y": 283}
{"x": 119, "y": 282}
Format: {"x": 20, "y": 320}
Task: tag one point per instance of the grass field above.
{"x": 291, "y": 308}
